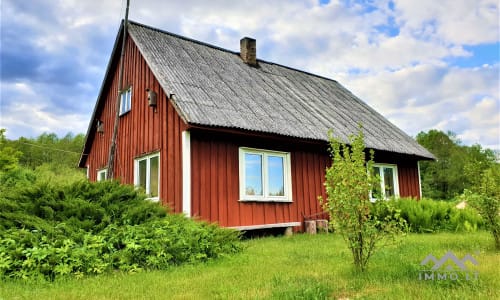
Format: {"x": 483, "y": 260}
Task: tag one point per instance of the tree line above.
{"x": 457, "y": 167}
{"x": 46, "y": 149}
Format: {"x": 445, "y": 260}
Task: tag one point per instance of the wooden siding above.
{"x": 408, "y": 179}
{"x": 143, "y": 130}
{"x": 215, "y": 180}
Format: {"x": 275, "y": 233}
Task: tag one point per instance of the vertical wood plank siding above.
{"x": 215, "y": 182}
{"x": 143, "y": 130}
{"x": 408, "y": 179}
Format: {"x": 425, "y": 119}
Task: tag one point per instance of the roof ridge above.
{"x": 182, "y": 37}
{"x": 176, "y": 35}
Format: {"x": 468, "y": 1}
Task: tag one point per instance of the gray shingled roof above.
{"x": 214, "y": 87}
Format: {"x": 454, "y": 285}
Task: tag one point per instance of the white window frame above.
{"x": 126, "y": 100}
{"x": 287, "y": 176}
{"x": 102, "y": 171}
{"x": 148, "y": 178}
{"x": 382, "y": 180}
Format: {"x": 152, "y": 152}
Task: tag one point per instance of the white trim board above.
{"x": 186, "y": 173}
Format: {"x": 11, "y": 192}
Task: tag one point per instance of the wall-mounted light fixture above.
{"x": 100, "y": 127}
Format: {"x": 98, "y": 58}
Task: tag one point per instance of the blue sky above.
{"x": 422, "y": 64}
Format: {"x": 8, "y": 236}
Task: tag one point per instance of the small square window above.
{"x": 265, "y": 175}
{"x": 388, "y": 187}
{"x": 102, "y": 174}
{"x": 126, "y": 101}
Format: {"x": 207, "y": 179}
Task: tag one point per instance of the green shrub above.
{"x": 428, "y": 215}
{"x": 486, "y": 200}
{"x": 81, "y": 205}
{"x": 49, "y": 230}
{"x": 156, "y": 244}
{"x": 364, "y": 226}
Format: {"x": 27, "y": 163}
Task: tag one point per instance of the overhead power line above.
{"x": 49, "y": 148}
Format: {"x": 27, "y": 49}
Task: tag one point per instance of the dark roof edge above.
{"x": 88, "y": 137}
{"x": 241, "y": 131}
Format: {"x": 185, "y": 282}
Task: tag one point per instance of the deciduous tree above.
{"x": 363, "y": 225}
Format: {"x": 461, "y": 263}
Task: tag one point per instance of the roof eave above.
{"x": 424, "y": 155}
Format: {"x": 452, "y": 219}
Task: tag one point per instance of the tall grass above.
{"x": 300, "y": 267}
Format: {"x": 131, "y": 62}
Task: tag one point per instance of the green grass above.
{"x": 300, "y": 267}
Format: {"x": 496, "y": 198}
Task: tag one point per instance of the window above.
{"x": 265, "y": 175}
{"x": 126, "y": 100}
{"x": 102, "y": 174}
{"x": 147, "y": 175}
{"x": 389, "y": 186}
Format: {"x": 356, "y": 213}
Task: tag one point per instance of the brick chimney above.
{"x": 248, "y": 51}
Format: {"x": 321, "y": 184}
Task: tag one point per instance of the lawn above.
{"x": 298, "y": 267}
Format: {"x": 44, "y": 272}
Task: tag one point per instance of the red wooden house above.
{"x": 232, "y": 139}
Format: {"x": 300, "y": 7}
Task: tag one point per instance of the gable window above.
{"x": 389, "y": 186}
{"x": 102, "y": 174}
{"x": 265, "y": 175}
{"x": 147, "y": 175}
{"x": 126, "y": 100}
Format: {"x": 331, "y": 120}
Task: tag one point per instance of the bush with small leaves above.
{"x": 363, "y": 225}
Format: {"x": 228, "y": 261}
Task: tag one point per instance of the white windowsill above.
{"x": 266, "y": 200}
{"x": 154, "y": 199}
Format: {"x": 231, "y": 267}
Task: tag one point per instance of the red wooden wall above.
{"x": 142, "y": 130}
{"x": 408, "y": 179}
{"x": 215, "y": 181}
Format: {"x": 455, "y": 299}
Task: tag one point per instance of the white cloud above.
{"x": 30, "y": 113}
{"x": 465, "y": 101}
{"x": 467, "y": 22}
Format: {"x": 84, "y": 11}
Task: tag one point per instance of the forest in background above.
{"x": 458, "y": 167}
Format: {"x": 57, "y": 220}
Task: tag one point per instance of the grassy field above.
{"x": 299, "y": 267}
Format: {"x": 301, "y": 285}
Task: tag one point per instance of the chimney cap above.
{"x": 247, "y": 38}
